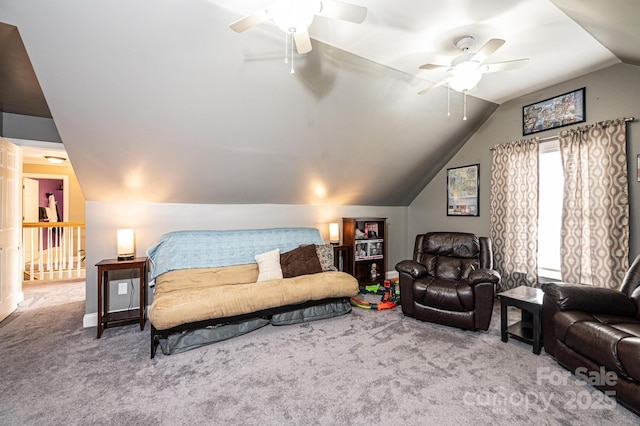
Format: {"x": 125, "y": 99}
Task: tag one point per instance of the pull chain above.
{"x": 465, "y": 105}
{"x": 293, "y": 30}
{"x": 286, "y": 48}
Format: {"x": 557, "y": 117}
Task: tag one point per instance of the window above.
{"x": 551, "y": 181}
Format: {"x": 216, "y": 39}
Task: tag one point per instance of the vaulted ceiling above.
{"x": 159, "y": 100}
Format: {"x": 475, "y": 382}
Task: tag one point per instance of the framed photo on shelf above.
{"x": 371, "y": 230}
{"x": 369, "y": 249}
{"x": 463, "y": 190}
{"x": 563, "y": 110}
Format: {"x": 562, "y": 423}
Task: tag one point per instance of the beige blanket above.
{"x": 191, "y": 295}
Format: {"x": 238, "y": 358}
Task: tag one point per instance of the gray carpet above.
{"x": 363, "y": 368}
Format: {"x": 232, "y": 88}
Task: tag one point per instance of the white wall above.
{"x": 610, "y": 93}
{"x": 151, "y": 220}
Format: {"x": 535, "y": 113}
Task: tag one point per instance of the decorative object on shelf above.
{"x": 125, "y": 242}
{"x": 563, "y": 110}
{"x": 371, "y": 249}
{"x": 334, "y": 233}
{"x": 463, "y": 190}
{"x": 374, "y": 272}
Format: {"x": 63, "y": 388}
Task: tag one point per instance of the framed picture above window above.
{"x": 463, "y": 191}
{"x": 563, "y": 110}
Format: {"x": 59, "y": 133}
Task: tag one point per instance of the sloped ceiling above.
{"x": 160, "y": 101}
{"x": 20, "y": 92}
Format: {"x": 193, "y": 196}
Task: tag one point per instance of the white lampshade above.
{"x": 126, "y": 244}
{"x": 293, "y": 14}
{"x": 334, "y": 233}
{"x": 465, "y": 76}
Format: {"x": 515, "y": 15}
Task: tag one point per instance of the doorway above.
{"x": 54, "y": 238}
{"x": 48, "y": 185}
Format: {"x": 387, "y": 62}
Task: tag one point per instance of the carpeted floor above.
{"x": 367, "y": 367}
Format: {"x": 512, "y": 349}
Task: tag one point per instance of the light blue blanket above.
{"x": 210, "y": 249}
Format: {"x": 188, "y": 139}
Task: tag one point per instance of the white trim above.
{"x": 90, "y": 320}
{"x": 56, "y": 146}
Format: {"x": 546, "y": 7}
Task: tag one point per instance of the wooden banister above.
{"x": 53, "y": 250}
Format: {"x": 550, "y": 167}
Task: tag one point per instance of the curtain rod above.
{"x": 548, "y": 138}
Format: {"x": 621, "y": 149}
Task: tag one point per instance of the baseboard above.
{"x": 90, "y": 320}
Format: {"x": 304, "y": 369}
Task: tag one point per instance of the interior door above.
{"x": 10, "y": 227}
{"x": 30, "y": 213}
{"x": 30, "y": 201}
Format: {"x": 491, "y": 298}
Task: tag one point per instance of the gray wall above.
{"x": 610, "y": 93}
{"x": 27, "y": 127}
{"x": 151, "y": 220}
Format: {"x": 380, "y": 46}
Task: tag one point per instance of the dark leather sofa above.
{"x": 597, "y": 330}
{"x": 449, "y": 280}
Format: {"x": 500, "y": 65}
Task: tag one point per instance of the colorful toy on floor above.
{"x": 390, "y": 296}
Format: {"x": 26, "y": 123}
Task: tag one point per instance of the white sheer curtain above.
{"x": 514, "y": 212}
{"x": 595, "y": 212}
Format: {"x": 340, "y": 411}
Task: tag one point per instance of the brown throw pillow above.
{"x": 300, "y": 261}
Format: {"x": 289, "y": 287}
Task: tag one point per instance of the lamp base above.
{"x": 126, "y": 257}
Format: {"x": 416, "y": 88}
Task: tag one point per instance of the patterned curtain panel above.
{"x": 595, "y": 210}
{"x": 514, "y": 213}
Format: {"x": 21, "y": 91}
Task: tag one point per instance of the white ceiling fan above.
{"x": 467, "y": 69}
{"x": 294, "y": 17}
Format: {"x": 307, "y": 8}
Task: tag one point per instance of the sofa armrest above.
{"x": 411, "y": 267}
{"x": 594, "y": 300}
{"x": 484, "y": 276}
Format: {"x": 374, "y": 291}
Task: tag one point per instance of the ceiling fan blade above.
{"x": 250, "y": 21}
{"x": 343, "y": 11}
{"x": 504, "y": 66}
{"x": 438, "y": 84}
{"x": 487, "y": 50}
{"x": 303, "y": 42}
{"x": 434, "y": 67}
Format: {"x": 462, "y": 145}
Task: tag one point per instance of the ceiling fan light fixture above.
{"x": 292, "y": 15}
{"x": 55, "y": 160}
{"x": 465, "y": 76}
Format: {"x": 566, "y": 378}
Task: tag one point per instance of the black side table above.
{"x": 529, "y": 329}
{"x": 121, "y": 317}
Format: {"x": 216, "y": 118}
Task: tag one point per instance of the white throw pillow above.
{"x": 269, "y": 265}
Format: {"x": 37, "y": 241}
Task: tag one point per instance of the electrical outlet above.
{"x": 122, "y": 288}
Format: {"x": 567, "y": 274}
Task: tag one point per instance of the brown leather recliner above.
{"x": 450, "y": 280}
{"x": 595, "y": 333}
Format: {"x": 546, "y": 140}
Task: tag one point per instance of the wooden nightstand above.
{"x": 341, "y": 256}
{"x": 121, "y": 317}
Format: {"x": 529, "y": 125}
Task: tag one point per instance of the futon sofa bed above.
{"x": 213, "y": 285}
